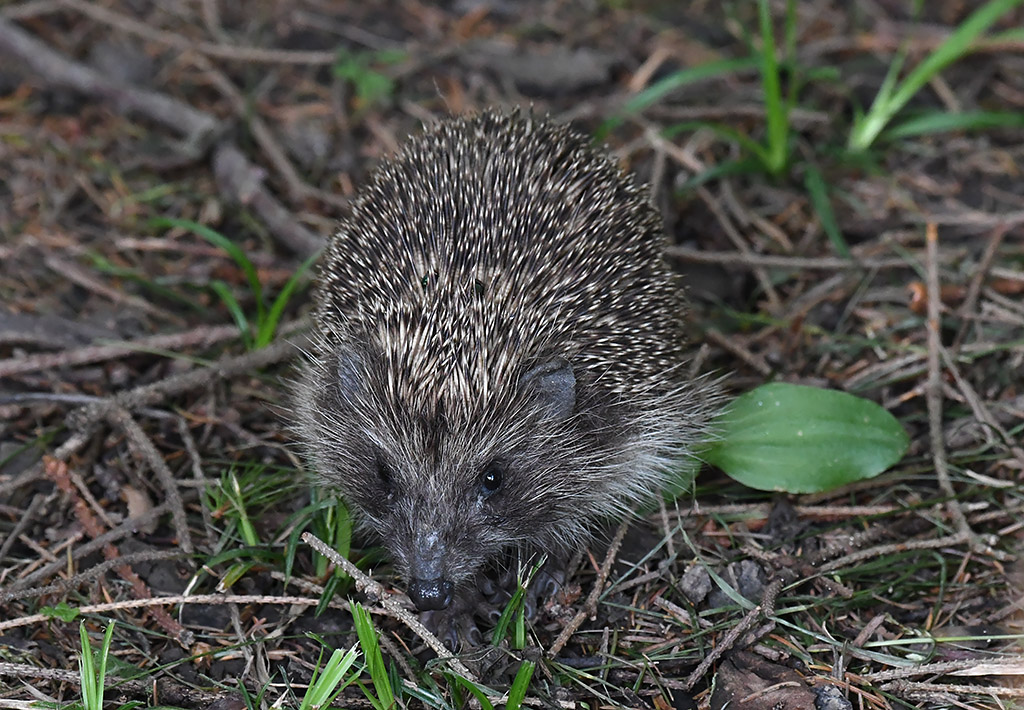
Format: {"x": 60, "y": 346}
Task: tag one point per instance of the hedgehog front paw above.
{"x": 496, "y": 592}
{"x": 455, "y": 626}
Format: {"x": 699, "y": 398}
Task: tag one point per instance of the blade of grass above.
{"x": 101, "y": 263}
{"x": 743, "y": 166}
{"x": 101, "y": 677}
{"x": 93, "y": 678}
{"x": 507, "y": 617}
{"x": 949, "y": 122}
{"x": 747, "y": 143}
{"x": 656, "y": 91}
{"x": 332, "y": 522}
{"x": 268, "y": 326}
{"x": 1014, "y": 35}
{"x": 237, "y": 498}
{"x": 233, "y": 250}
{"x": 327, "y": 685}
{"x": 457, "y": 681}
{"x": 374, "y": 659}
{"x": 818, "y": 192}
{"x": 86, "y": 671}
{"x": 955, "y": 47}
{"x": 862, "y": 121}
{"x": 789, "y": 38}
{"x": 519, "y": 631}
{"x": 517, "y": 692}
{"x": 776, "y": 110}
{"x": 514, "y": 609}
{"x": 701, "y": 72}
{"x": 887, "y": 103}
{"x": 234, "y": 308}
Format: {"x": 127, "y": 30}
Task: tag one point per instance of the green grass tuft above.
{"x": 327, "y": 684}
{"x": 894, "y": 95}
{"x": 267, "y": 317}
{"x": 92, "y": 667}
{"x": 384, "y": 699}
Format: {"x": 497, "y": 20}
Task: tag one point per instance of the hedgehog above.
{"x": 499, "y": 361}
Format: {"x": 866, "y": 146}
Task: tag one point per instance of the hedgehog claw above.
{"x": 453, "y": 628}
{"x": 456, "y": 626}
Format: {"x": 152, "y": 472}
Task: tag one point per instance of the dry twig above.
{"x": 590, "y": 606}
{"x": 376, "y": 591}
{"x": 765, "y": 608}
{"x": 933, "y": 394}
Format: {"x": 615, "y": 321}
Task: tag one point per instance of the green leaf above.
{"x": 932, "y": 123}
{"x": 374, "y": 658}
{"x": 62, "y": 611}
{"x": 517, "y": 692}
{"x": 818, "y": 192}
{"x": 892, "y": 98}
{"x": 776, "y": 111}
{"x": 796, "y": 439}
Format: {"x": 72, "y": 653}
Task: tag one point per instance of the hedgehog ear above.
{"x": 553, "y": 383}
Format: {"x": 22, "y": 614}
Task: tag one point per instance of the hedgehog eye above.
{"x": 491, "y": 480}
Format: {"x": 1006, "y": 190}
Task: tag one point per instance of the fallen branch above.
{"x": 376, "y": 591}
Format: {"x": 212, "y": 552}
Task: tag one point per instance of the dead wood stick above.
{"x": 242, "y": 183}
{"x": 197, "y": 127}
{"x": 781, "y": 261}
{"x": 145, "y": 452}
{"x": 83, "y": 419}
{"x": 236, "y": 176}
{"x": 933, "y": 393}
{"x": 229, "y": 366}
{"x": 151, "y": 602}
{"x": 376, "y": 590}
{"x": 590, "y": 606}
{"x": 248, "y": 55}
{"x": 202, "y": 336}
{"x": 59, "y": 473}
{"x": 765, "y": 608}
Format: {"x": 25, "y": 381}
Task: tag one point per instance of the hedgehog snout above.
{"x": 431, "y": 594}
{"x": 428, "y": 588}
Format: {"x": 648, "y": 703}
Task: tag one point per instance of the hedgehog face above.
{"x": 446, "y": 496}
{"x": 441, "y": 526}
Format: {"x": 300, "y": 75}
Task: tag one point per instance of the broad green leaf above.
{"x": 796, "y": 439}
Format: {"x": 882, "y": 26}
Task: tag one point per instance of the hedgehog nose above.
{"x": 430, "y": 594}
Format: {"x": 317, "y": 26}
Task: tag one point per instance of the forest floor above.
{"x": 166, "y": 171}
